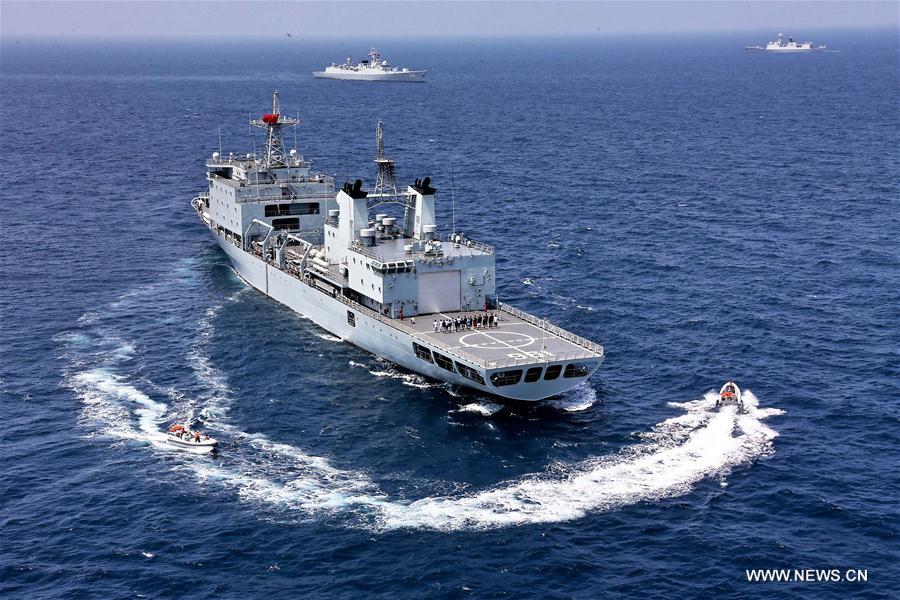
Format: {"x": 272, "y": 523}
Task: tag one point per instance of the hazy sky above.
{"x": 422, "y": 19}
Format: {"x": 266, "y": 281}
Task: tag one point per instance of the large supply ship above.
{"x": 779, "y": 45}
{"x": 373, "y": 68}
{"x": 399, "y": 290}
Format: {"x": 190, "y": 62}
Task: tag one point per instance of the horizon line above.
{"x": 473, "y": 35}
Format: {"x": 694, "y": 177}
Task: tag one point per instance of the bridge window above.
{"x": 552, "y": 372}
{"x": 443, "y": 362}
{"x": 469, "y": 373}
{"x": 351, "y": 318}
{"x": 422, "y": 352}
{"x": 506, "y": 378}
{"x": 290, "y": 223}
{"x": 577, "y": 370}
{"x": 533, "y": 374}
{"x": 296, "y": 208}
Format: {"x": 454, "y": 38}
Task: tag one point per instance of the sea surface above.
{"x": 704, "y": 213}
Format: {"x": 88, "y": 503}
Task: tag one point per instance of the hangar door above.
{"x": 439, "y": 292}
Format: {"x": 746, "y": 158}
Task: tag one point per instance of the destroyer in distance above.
{"x": 398, "y": 290}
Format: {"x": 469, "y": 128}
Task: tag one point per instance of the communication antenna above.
{"x": 220, "y": 141}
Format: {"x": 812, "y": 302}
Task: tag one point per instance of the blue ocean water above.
{"x": 704, "y": 213}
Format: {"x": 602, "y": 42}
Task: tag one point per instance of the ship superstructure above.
{"x": 780, "y": 45}
{"x": 372, "y": 68}
{"x": 400, "y": 290}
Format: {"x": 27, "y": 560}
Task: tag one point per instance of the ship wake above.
{"x": 700, "y": 443}
{"x": 671, "y": 458}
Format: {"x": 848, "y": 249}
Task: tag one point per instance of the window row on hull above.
{"x": 501, "y": 378}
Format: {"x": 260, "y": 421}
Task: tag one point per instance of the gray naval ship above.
{"x": 401, "y": 291}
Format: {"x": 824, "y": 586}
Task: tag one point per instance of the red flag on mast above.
{"x": 270, "y": 119}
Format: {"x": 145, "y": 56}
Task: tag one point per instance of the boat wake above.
{"x": 575, "y": 400}
{"x": 385, "y": 369}
{"x": 484, "y": 408}
{"x": 700, "y": 443}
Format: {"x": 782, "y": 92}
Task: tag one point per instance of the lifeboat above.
{"x": 730, "y": 394}
{"x": 183, "y": 438}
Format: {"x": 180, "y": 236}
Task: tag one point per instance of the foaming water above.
{"x": 701, "y": 443}
{"x": 577, "y": 399}
{"x": 672, "y": 457}
{"x": 328, "y": 337}
{"x": 217, "y": 396}
{"x": 385, "y": 369}
{"x": 484, "y": 408}
{"x": 708, "y": 443}
{"x": 110, "y": 405}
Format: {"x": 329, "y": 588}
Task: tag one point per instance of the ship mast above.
{"x": 273, "y": 123}
{"x": 385, "y": 185}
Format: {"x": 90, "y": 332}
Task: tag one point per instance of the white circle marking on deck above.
{"x": 498, "y": 339}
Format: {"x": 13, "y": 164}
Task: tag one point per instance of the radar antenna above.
{"x": 274, "y": 122}
{"x": 385, "y": 184}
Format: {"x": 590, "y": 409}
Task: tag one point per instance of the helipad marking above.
{"x": 519, "y": 342}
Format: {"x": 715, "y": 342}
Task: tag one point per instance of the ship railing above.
{"x": 284, "y": 198}
{"x": 374, "y": 254}
{"x": 456, "y": 238}
{"x": 312, "y": 178}
{"x": 383, "y": 257}
{"x": 593, "y": 347}
{"x": 364, "y": 250}
{"x": 544, "y": 358}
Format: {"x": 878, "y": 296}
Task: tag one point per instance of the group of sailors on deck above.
{"x": 466, "y": 322}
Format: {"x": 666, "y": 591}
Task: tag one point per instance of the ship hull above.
{"x": 408, "y": 76}
{"x": 371, "y": 334}
{"x": 783, "y": 50}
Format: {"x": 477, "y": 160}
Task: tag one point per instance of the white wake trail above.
{"x": 109, "y": 402}
{"x": 674, "y": 455}
{"x": 685, "y": 450}
{"x": 700, "y": 443}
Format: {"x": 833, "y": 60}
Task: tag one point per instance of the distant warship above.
{"x": 399, "y": 290}
{"x": 370, "y": 69}
{"x": 779, "y": 45}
